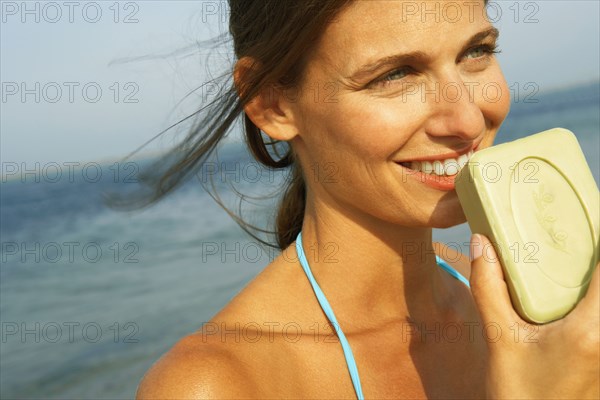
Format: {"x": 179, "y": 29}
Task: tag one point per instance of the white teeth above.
{"x": 451, "y": 166}
{"x": 438, "y": 167}
{"x": 427, "y": 167}
{"x": 462, "y": 160}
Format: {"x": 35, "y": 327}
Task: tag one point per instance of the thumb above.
{"x": 488, "y": 286}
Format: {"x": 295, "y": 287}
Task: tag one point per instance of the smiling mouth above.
{"x": 440, "y": 167}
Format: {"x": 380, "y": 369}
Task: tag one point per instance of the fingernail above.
{"x": 476, "y": 248}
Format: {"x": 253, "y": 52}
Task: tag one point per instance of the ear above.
{"x": 270, "y": 110}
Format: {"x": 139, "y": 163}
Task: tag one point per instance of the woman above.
{"x": 369, "y": 91}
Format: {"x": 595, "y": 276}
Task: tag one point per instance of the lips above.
{"x": 447, "y": 164}
{"x": 450, "y": 166}
{"x": 442, "y": 157}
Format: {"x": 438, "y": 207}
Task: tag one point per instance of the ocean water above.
{"x": 91, "y": 297}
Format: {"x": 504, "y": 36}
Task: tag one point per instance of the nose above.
{"x": 454, "y": 110}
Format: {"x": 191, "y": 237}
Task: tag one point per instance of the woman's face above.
{"x": 395, "y": 81}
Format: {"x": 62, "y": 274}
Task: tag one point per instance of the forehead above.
{"x": 368, "y": 29}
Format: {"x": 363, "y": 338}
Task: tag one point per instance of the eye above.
{"x": 483, "y": 50}
{"x": 394, "y": 75}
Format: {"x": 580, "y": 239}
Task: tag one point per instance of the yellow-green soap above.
{"x": 535, "y": 198}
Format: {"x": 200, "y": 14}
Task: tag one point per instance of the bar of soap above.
{"x": 536, "y": 199}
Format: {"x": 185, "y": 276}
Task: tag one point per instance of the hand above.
{"x": 558, "y": 360}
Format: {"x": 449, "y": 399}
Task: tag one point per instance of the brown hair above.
{"x": 278, "y": 35}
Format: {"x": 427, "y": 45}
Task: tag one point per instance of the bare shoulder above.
{"x": 219, "y": 361}
{"x": 196, "y": 369}
{"x": 456, "y": 259}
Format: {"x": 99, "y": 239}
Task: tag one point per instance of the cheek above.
{"x": 494, "y": 99}
{"x": 367, "y": 131}
{"x": 346, "y": 146}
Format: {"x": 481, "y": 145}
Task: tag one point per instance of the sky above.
{"x": 66, "y": 97}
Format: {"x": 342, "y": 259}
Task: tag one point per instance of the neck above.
{"x": 373, "y": 272}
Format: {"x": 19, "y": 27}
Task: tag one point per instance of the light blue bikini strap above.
{"x": 445, "y": 266}
{"x": 329, "y": 313}
{"x": 352, "y": 368}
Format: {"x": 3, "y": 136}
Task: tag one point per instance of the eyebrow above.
{"x": 369, "y": 68}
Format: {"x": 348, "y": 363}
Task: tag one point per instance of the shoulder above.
{"x": 221, "y": 360}
{"x": 196, "y": 368}
{"x": 456, "y": 259}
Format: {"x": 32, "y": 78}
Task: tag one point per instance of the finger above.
{"x": 488, "y": 286}
{"x": 589, "y": 306}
